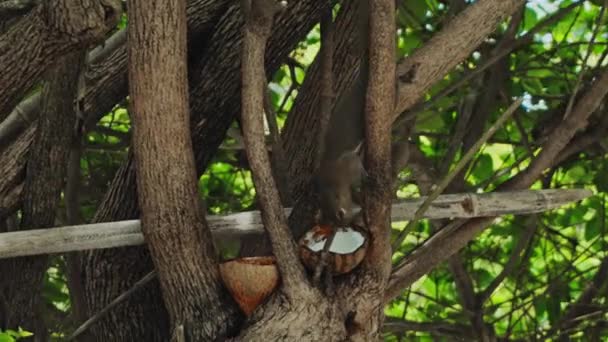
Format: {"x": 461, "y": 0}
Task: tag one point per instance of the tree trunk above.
{"x": 214, "y": 84}
{"x": 173, "y": 224}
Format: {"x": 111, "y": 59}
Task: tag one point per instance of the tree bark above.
{"x": 173, "y": 224}
{"x": 44, "y": 181}
{"x": 106, "y": 85}
{"x": 214, "y": 84}
{"x": 50, "y": 30}
{"x": 365, "y": 292}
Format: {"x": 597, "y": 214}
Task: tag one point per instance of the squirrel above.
{"x": 341, "y": 171}
{"x": 338, "y": 183}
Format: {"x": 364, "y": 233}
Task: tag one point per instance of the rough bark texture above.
{"x": 51, "y": 29}
{"x": 313, "y": 319}
{"x": 417, "y": 73}
{"x": 43, "y": 184}
{"x": 12, "y": 168}
{"x": 379, "y": 108}
{"x": 12, "y": 11}
{"x": 106, "y": 84}
{"x": 214, "y": 84}
{"x": 110, "y": 272}
{"x": 173, "y": 225}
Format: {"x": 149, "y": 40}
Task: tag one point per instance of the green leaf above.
{"x": 4, "y": 337}
{"x": 530, "y": 18}
{"x": 483, "y": 168}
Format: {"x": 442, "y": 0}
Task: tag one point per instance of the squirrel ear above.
{"x": 351, "y": 155}
{"x": 358, "y": 148}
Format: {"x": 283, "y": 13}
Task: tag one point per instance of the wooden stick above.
{"x": 128, "y": 233}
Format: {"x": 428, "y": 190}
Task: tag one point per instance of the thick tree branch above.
{"x": 417, "y": 73}
{"x": 368, "y": 286}
{"x": 46, "y": 169}
{"x": 278, "y": 159}
{"x": 327, "y": 82}
{"x": 173, "y": 224}
{"x": 455, "y": 42}
{"x": 379, "y": 108}
{"x": 49, "y": 31}
{"x": 305, "y": 122}
{"x": 28, "y": 110}
{"x": 24, "y": 114}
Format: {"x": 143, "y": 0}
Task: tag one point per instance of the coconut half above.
{"x": 250, "y": 280}
{"x": 345, "y": 253}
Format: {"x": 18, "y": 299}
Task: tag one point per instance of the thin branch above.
{"x": 24, "y": 114}
{"x": 461, "y": 164}
{"x": 327, "y": 82}
{"x": 27, "y": 111}
{"x": 514, "y": 260}
{"x": 585, "y": 59}
{"x": 72, "y": 203}
{"x": 325, "y": 108}
{"x": 561, "y": 136}
{"x": 581, "y": 306}
{"x": 121, "y": 298}
{"x": 500, "y": 52}
{"x": 259, "y": 16}
{"x": 457, "y": 331}
{"x": 278, "y": 160}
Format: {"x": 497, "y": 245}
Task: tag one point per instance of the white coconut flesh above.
{"x": 345, "y": 242}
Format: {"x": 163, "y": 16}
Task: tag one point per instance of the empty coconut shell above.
{"x": 250, "y": 280}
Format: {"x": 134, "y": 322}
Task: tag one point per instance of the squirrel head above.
{"x": 335, "y": 181}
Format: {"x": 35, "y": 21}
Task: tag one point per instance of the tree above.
{"x": 461, "y": 66}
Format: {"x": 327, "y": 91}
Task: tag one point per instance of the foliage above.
{"x": 555, "y": 255}
{"x": 12, "y": 335}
